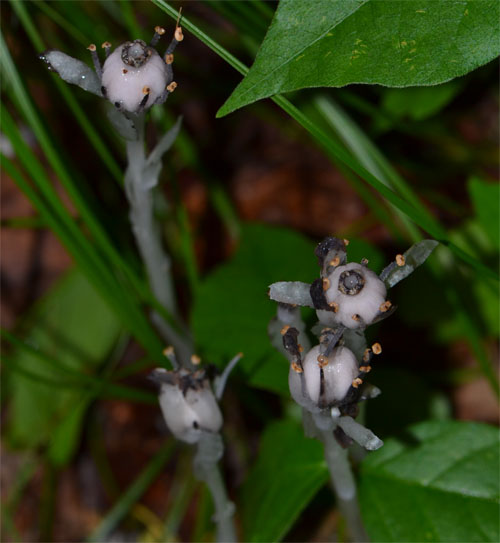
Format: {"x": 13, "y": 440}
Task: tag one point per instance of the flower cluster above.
{"x": 329, "y": 380}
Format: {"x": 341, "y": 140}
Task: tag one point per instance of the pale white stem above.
{"x": 210, "y": 449}
{"x": 342, "y": 478}
{"x": 138, "y": 188}
{"x": 220, "y": 382}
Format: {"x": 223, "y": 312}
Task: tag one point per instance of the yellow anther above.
{"x": 385, "y": 306}
{"x": 195, "y": 359}
{"x": 400, "y": 260}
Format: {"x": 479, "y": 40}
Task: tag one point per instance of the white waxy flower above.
{"x": 326, "y": 381}
{"x": 134, "y": 76}
{"x": 356, "y": 293}
{"x": 188, "y": 404}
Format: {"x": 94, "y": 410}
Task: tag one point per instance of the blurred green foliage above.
{"x": 63, "y": 355}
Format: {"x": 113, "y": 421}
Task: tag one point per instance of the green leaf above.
{"x": 419, "y": 103}
{"x": 438, "y": 484}
{"x": 232, "y": 310}
{"x": 402, "y": 43}
{"x": 75, "y": 326}
{"x": 334, "y": 150}
{"x": 486, "y": 199}
{"x": 288, "y": 473}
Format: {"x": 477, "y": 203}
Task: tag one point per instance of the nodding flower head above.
{"x": 324, "y": 380}
{"x": 356, "y": 294}
{"x": 329, "y": 375}
{"x": 188, "y": 403}
{"x": 350, "y": 295}
{"x": 134, "y": 76}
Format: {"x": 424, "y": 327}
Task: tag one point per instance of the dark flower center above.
{"x": 136, "y": 53}
{"x": 351, "y": 282}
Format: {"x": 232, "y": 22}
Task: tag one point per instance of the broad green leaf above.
{"x": 288, "y": 473}
{"x": 74, "y": 325}
{"x": 419, "y": 103}
{"x": 232, "y": 310}
{"x": 486, "y": 199}
{"x": 401, "y": 43}
{"x": 439, "y": 483}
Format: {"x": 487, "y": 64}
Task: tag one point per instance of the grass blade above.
{"x": 132, "y": 494}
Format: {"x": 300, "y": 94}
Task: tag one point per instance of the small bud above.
{"x": 195, "y": 359}
{"x": 400, "y": 260}
{"x": 168, "y": 351}
{"x": 179, "y": 36}
{"x": 188, "y": 404}
{"x": 322, "y": 361}
{"x": 385, "y": 306}
{"x": 334, "y": 306}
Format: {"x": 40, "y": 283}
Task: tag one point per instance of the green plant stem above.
{"x": 139, "y": 184}
{"x": 210, "y": 449}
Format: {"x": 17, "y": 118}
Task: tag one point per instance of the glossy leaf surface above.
{"x": 437, "y": 483}
{"x": 401, "y": 43}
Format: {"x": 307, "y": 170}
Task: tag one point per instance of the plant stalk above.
{"x": 210, "y": 449}
{"x": 139, "y": 184}
{"x": 341, "y": 475}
